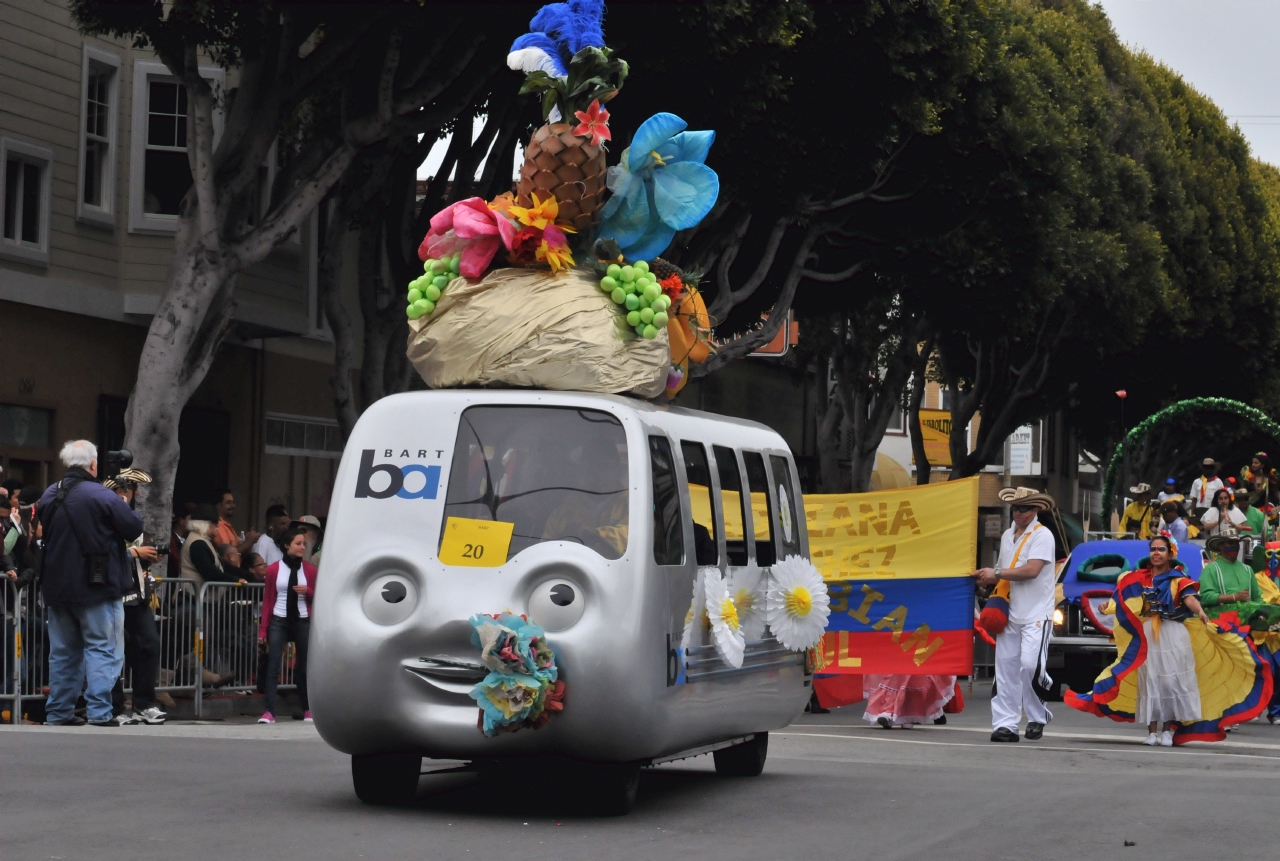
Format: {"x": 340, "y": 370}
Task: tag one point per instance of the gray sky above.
{"x": 1226, "y": 49}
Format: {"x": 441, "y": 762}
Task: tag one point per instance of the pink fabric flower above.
{"x": 555, "y": 236}
{"x": 471, "y": 227}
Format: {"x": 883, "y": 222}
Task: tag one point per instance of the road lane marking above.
{"x": 1181, "y": 751}
{"x": 1086, "y": 736}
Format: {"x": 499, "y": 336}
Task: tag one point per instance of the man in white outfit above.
{"x": 1026, "y": 561}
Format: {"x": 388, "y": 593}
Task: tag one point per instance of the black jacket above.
{"x": 105, "y": 522}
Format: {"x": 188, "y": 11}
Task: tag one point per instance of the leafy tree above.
{"x": 817, "y": 108}
{"x": 327, "y": 82}
{"x": 1216, "y": 331}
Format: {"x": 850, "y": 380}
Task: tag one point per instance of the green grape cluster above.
{"x": 634, "y": 288}
{"x": 425, "y": 290}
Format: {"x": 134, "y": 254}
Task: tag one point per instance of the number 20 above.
{"x": 472, "y": 551}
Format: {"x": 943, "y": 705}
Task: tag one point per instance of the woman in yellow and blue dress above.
{"x": 1165, "y": 647}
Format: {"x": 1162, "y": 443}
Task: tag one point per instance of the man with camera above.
{"x": 85, "y": 572}
{"x": 141, "y": 636}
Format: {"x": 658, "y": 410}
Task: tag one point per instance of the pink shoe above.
{"x": 267, "y": 717}
{"x": 306, "y": 718}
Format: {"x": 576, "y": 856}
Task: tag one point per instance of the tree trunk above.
{"x": 827, "y": 430}
{"x": 183, "y": 339}
{"x": 919, "y": 385}
{"x": 335, "y": 312}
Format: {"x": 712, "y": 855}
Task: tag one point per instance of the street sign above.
{"x": 788, "y": 336}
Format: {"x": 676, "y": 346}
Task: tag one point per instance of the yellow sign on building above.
{"x": 935, "y": 429}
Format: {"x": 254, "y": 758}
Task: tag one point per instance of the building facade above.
{"x": 93, "y": 165}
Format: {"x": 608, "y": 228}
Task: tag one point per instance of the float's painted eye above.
{"x": 556, "y": 605}
{"x": 390, "y": 599}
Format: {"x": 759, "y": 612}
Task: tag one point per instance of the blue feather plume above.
{"x": 556, "y": 33}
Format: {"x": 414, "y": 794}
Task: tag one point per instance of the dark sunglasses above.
{"x": 1023, "y": 509}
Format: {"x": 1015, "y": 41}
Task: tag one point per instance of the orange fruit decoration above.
{"x": 685, "y": 345}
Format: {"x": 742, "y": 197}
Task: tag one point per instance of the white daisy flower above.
{"x": 749, "y": 599}
{"x": 695, "y": 634}
{"x": 726, "y": 629}
{"x": 798, "y": 606}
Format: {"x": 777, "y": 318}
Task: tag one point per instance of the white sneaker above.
{"x": 1152, "y": 740}
{"x": 151, "y": 716}
{"x": 1166, "y": 738}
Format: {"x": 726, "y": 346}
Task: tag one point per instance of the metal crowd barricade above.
{"x": 11, "y": 649}
{"x": 24, "y": 650}
{"x": 1105, "y": 535}
{"x": 26, "y": 662}
{"x": 175, "y": 610}
{"x": 227, "y": 620}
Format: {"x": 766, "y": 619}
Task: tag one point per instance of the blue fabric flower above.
{"x": 660, "y": 186}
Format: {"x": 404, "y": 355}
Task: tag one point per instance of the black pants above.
{"x": 280, "y": 632}
{"x": 141, "y": 656}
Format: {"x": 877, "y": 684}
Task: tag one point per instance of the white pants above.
{"x": 1021, "y": 656}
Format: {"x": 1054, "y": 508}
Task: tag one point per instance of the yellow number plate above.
{"x": 475, "y": 543}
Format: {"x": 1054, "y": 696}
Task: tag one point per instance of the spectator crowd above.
{"x": 1247, "y": 505}
{"x": 77, "y": 547}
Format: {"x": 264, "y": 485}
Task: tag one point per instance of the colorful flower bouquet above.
{"x": 522, "y": 688}
{"x": 558, "y": 210}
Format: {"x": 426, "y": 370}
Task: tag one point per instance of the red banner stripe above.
{"x": 945, "y": 653}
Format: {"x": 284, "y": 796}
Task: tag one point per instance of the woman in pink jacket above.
{"x": 286, "y": 616}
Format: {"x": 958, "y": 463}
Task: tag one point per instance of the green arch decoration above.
{"x": 1221, "y": 405}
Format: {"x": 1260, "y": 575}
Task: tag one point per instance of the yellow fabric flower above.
{"x": 542, "y": 213}
{"x": 556, "y": 257}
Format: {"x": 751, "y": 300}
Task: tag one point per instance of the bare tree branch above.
{"x": 834, "y": 277}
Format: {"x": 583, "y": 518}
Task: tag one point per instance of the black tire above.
{"x": 386, "y": 778}
{"x": 613, "y": 788}
{"x": 743, "y": 760}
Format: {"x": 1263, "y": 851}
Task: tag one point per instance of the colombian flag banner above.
{"x": 897, "y": 564}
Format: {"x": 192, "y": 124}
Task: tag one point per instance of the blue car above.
{"x": 1082, "y": 646}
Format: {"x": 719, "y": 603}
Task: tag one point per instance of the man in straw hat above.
{"x": 141, "y": 636}
{"x": 1139, "y": 513}
{"x": 1226, "y": 582}
{"x": 1026, "y": 565}
{"x": 1204, "y": 487}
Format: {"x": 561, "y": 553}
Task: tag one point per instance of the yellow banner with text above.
{"x": 921, "y": 531}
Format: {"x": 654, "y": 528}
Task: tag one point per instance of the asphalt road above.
{"x": 833, "y": 788}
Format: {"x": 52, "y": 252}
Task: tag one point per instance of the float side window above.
{"x": 732, "y": 504}
{"x": 668, "y": 527}
{"x": 701, "y": 503}
{"x": 788, "y": 522}
{"x": 761, "y": 508}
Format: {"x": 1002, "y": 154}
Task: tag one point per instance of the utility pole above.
{"x": 1008, "y": 455}
{"x": 1124, "y": 468}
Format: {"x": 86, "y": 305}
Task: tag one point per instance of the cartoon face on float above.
{"x": 456, "y": 513}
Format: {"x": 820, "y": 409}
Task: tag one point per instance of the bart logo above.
{"x": 396, "y": 479}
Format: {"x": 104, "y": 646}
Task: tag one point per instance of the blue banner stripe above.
{"x": 942, "y": 603}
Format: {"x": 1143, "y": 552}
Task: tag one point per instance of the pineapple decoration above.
{"x": 565, "y": 60}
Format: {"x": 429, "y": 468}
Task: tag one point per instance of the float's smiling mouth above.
{"x": 447, "y": 674}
